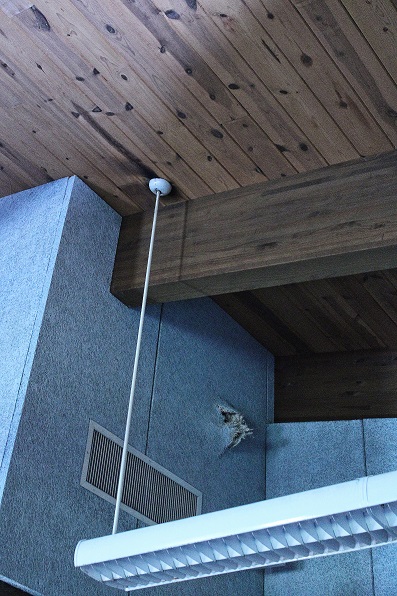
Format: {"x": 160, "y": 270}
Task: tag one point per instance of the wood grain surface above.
{"x": 339, "y": 386}
{"x": 347, "y": 314}
{"x": 336, "y": 221}
{"x": 214, "y": 97}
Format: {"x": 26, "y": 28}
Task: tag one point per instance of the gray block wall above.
{"x": 205, "y": 359}
{"x": 302, "y": 456}
{"x": 27, "y": 251}
{"x": 194, "y": 357}
{"x": 380, "y": 441}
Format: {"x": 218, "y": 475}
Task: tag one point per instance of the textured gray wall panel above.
{"x": 301, "y": 456}
{"x": 31, "y": 224}
{"x": 82, "y": 370}
{"x": 381, "y": 456}
{"x": 204, "y": 359}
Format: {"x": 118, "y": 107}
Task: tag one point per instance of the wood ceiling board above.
{"x": 18, "y": 164}
{"x": 308, "y": 57}
{"x": 189, "y": 55}
{"x": 10, "y": 182}
{"x": 345, "y": 314}
{"x": 374, "y": 316}
{"x": 245, "y": 308}
{"x": 348, "y": 323}
{"x": 382, "y": 290}
{"x": 221, "y": 97}
{"x": 8, "y": 590}
{"x": 49, "y": 79}
{"x": 61, "y": 157}
{"x": 42, "y": 110}
{"x": 346, "y": 44}
{"x": 336, "y": 221}
{"x": 13, "y": 7}
{"x": 240, "y": 27}
{"x": 73, "y": 162}
{"x": 345, "y": 386}
{"x": 378, "y": 23}
{"x": 21, "y": 148}
{"x": 323, "y": 332}
{"x": 47, "y": 115}
{"x": 391, "y": 276}
{"x": 251, "y": 138}
{"x": 168, "y": 88}
{"x": 304, "y": 322}
{"x": 240, "y": 77}
{"x": 155, "y": 115}
{"x": 120, "y": 152}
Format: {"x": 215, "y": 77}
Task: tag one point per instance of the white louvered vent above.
{"x": 151, "y": 493}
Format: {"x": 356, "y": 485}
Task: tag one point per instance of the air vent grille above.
{"x": 151, "y": 493}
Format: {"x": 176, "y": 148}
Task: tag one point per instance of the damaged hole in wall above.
{"x": 235, "y": 425}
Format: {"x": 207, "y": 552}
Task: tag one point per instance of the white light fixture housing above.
{"x": 325, "y": 521}
{"x": 161, "y": 185}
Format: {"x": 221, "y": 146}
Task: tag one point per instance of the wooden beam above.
{"x": 339, "y": 386}
{"x": 334, "y": 221}
{"x": 8, "y": 590}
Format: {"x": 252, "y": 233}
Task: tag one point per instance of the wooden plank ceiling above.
{"x": 345, "y": 314}
{"x": 211, "y": 95}
{"x": 335, "y": 342}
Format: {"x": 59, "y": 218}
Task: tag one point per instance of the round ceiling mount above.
{"x": 161, "y": 185}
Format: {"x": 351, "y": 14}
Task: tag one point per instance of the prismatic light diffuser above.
{"x": 326, "y": 521}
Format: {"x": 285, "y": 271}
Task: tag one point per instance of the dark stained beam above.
{"x": 334, "y": 221}
{"x": 8, "y": 590}
{"x": 338, "y": 386}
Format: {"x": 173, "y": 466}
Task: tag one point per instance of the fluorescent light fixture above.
{"x": 325, "y": 521}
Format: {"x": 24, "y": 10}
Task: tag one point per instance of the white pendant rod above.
{"x": 123, "y": 464}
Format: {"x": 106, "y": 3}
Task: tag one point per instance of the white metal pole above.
{"x": 123, "y": 464}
